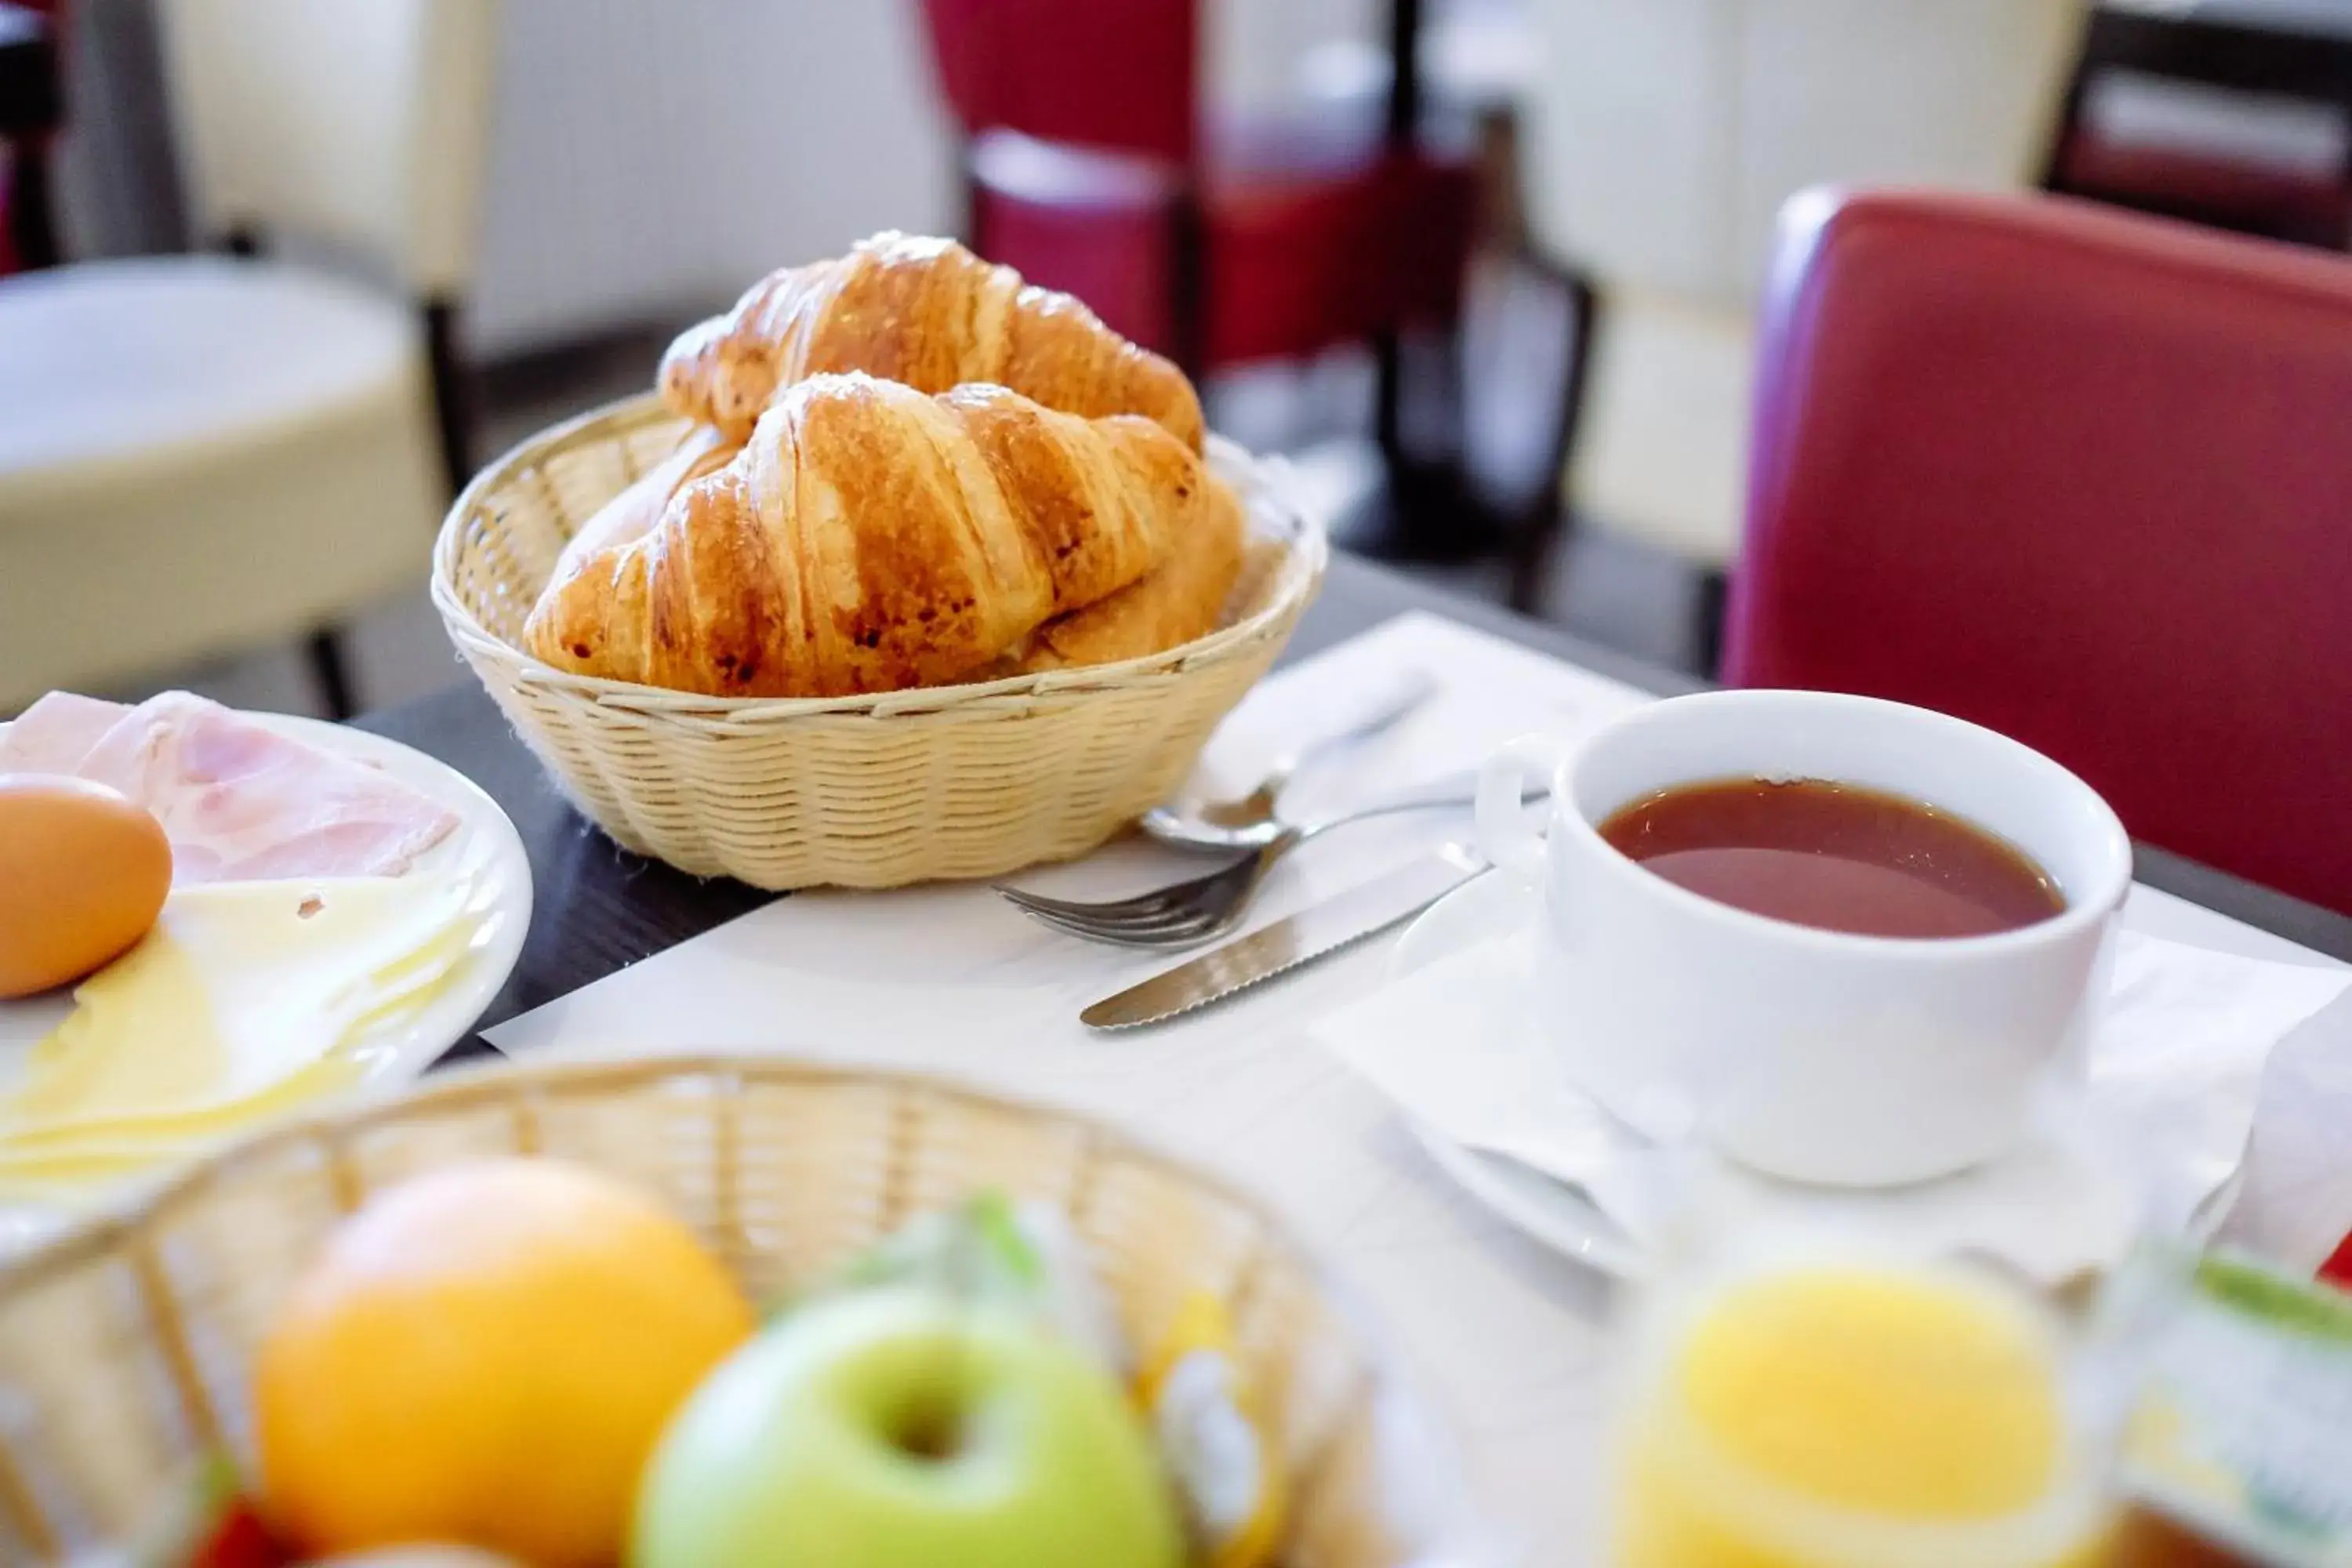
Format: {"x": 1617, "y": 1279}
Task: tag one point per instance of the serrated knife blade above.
{"x": 1321, "y": 928}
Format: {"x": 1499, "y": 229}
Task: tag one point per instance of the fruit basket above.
{"x": 125, "y": 1346}
{"x": 869, "y": 792}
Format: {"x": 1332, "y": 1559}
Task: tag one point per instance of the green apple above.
{"x": 891, "y": 1428}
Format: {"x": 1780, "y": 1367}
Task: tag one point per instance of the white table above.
{"x": 1512, "y": 1339}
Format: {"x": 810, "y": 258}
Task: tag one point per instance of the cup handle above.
{"x": 1505, "y": 837}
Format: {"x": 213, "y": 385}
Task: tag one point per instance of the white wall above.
{"x": 650, "y": 157}
{"x": 1250, "y": 54}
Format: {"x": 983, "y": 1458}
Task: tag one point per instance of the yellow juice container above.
{"x": 1844, "y": 1414}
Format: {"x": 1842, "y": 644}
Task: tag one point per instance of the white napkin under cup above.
{"x": 2160, "y": 1129}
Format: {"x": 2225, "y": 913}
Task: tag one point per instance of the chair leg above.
{"x": 1188, "y": 284}
{"x": 32, "y": 205}
{"x": 1403, "y": 117}
{"x": 1407, "y": 519}
{"x": 453, "y": 394}
{"x": 1536, "y": 546}
{"x": 2069, "y": 115}
{"x": 1388, "y": 401}
{"x": 326, "y": 650}
{"x": 1548, "y": 521}
{"x": 1714, "y": 594}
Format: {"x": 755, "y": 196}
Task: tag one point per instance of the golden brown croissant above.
{"x": 926, "y": 312}
{"x": 1180, "y": 599}
{"x": 701, "y": 450}
{"x": 869, "y": 538}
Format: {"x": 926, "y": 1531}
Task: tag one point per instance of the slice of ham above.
{"x": 239, "y": 801}
{"x": 55, "y": 734}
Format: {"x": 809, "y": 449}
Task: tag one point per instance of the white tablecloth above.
{"x": 1509, "y": 1338}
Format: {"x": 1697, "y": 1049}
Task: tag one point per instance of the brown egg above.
{"x": 83, "y": 873}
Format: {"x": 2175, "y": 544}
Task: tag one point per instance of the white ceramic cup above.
{"x": 1809, "y": 1054}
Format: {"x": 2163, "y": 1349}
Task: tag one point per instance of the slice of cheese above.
{"x": 247, "y": 997}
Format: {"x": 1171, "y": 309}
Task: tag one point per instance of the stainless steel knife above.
{"x": 1321, "y": 928}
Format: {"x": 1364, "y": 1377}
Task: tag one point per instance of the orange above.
{"x": 487, "y": 1355}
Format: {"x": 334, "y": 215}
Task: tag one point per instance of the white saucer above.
{"x": 484, "y": 847}
{"x": 1551, "y": 1212}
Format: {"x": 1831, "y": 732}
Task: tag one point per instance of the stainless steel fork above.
{"x": 1194, "y": 911}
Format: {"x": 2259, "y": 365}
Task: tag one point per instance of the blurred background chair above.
{"x": 32, "y": 110}
{"x": 208, "y": 452}
{"x": 2236, "y": 114}
{"x": 1243, "y": 165}
{"x": 1663, "y": 138}
{"x": 2079, "y": 475}
{"x": 1091, "y": 167}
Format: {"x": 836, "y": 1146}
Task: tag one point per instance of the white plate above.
{"x": 484, "y": 847}
{"x": 1549, "y": 1211}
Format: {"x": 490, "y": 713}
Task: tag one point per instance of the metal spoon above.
{"x": 1254, "y": 812}
{"x": 1187, "y": 833}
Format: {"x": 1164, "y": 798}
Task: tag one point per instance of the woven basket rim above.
{"x": 1308, "y": 554}
{"x": 470, "y": 1086}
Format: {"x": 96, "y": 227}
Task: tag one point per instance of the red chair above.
{"x": 2080, "y": 475}
{"x": 1089, "y": 172}
{"x": 2260, "y": 61}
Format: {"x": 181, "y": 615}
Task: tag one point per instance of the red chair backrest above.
{"x": 1114, "y": 74}
{"x": 2082, "y": 477}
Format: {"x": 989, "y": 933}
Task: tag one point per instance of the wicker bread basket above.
{"x": 124, "y": 1345}
{"x": 869, "y": 791}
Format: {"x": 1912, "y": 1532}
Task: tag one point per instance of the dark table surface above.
{"x": 597, "y": 910}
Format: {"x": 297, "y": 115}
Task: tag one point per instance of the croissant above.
{"x": 633, "y": 512}
{"x": 1182, "y": 598}
{"x": 869, "y": 538}
{"x": 926, "y": 312}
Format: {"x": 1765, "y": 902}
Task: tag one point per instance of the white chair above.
{"x": 200, "y": 454}
{"x": 1663, "y": 136}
